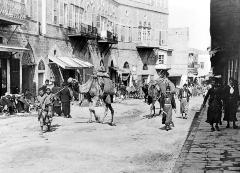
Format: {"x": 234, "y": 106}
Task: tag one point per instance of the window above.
{"x": 162, "y": 37}
{"x": 130, "y": 34}
{"x": 65, "y": 14}
{"x": 1, "y": 40}
{"x": 144, "y": 34}
{"x": 145, "y": 67}
{"x": 202, "y": 65}
{"x": 55, "y": 12}
{"x": 161, "y": 59}
{"x": 139, "y": 34}
{"x": 101, "y": 63}
{"x": 126, "y": 65}
{"x": 122, "y": 33}
{"x": 77, "y": 13}
{"x": 41, "y": 65}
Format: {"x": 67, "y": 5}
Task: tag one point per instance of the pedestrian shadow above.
{"x": 180, "y": 117}
{"x": 54, "y": 127}
{"x": 163, "y": 128}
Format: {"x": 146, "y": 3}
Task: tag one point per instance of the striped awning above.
{"x": 69, "y": 63}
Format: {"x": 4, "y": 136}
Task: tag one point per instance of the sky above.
{"x": 194, "y": 14}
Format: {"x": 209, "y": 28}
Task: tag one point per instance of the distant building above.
{"x": 225, "y": 38}
{"x": 178, "y": 40}
{"x": 142, "y": 38}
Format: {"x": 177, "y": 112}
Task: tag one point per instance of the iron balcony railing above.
{"x": 12, "y": 10}
{"x": 107, "y": 36}
{"x": 83, "y": 30}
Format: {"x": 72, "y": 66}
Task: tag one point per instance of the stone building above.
{"x": 12, "y": 17}
{"x": 57, "y": 39}
{"x": 225, "y": 40}
{"x": 142, "y": 38}
{"x": 178, "y": 40}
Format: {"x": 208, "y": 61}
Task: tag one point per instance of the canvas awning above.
{"x": 70, "y": 63}
{"x": 8, "y": 48}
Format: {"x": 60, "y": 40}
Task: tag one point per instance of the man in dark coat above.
{"x": 65, "y": 98}
{"x": 145, "y": 91}
{"x": 231, "y": 103}
{"x": 56, "y": 100}
{"x": 44, "y": 87}
{"x": 214, "y": 111}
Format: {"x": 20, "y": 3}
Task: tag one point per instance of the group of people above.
{"x": 163, "y": 91}
{"x": 61, "y": 97}
{"x": 222, "y": 99}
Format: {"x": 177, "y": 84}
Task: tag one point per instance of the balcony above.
{"x": 12, "y": 12}
{"x": 147, "y": 44}
{"x": 108, "y": 37}
{"x": 86, "y": 31}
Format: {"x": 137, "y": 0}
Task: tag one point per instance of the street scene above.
{"x": 119, "y": 86}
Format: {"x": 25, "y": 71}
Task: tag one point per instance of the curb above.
{"x": 189, "y": 140}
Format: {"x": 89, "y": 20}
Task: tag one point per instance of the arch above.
{"x": 145, "y": 67}
{"x": 101, "y": 62}
{"x": 41, "y": 65}
{"x": 112, "y": 64}
{"x": 126, "y": 65}
{"x": 28, "y": 56}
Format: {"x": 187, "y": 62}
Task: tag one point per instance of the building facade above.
{"x": 142, "y": 38}
{"x": 57, "y": 39}
{"x": 178, "y": 40}
{"x": 225, "y": 40}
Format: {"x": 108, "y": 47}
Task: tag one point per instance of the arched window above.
{"x": 112, "y": 65}
{"x": 101, "y": 63}
{"x": 41, "y": 65}
{"x": 145, "y": 67}
{"x": 126, "y": 65}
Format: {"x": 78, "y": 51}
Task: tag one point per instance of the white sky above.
{"x": 194, "y": 14}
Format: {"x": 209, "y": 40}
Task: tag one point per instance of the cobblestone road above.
{"x": 210, "y": 152}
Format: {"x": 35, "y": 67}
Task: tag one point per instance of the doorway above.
{"x": 40, "y": 80}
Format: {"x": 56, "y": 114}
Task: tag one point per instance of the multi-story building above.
{"x": 178, "y": 40}
{"x": 63, "y": 38}
{"x": 225, "y": 40}
{"x": 57, "y": 39}
{"x": 142, "y": 38}
{"x": 12, "y": 16}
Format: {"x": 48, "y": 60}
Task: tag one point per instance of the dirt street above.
{"x": 135, "y": 144}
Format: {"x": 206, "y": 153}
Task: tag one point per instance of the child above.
{"x": 44, "y": 108}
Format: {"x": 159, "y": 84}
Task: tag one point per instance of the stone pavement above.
{"x": 210, "y": 152}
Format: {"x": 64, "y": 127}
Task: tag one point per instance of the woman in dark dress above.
{"x": 214, "y": 111}
{"x": 231, "y": 103}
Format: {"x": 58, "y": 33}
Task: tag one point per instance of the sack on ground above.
{"x": 108, "y": 86}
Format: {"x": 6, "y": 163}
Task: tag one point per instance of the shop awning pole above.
{"x": 60, "y": 73}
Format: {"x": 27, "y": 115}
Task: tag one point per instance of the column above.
{"x": 20, "y": 71}
{"x": 8, "y": 76}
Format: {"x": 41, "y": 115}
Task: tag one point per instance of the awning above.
{"x": 70, "y": 63}
{"x": 7, "y": 48}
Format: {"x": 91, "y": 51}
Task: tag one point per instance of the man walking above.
{"x": 231, "y": 103}
{"x": 183, "y": 96}
{"x": 65, "y": 98}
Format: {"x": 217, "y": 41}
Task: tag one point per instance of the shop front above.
{"x": 11, "y": 69}
{"x": 64, "y": 67}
